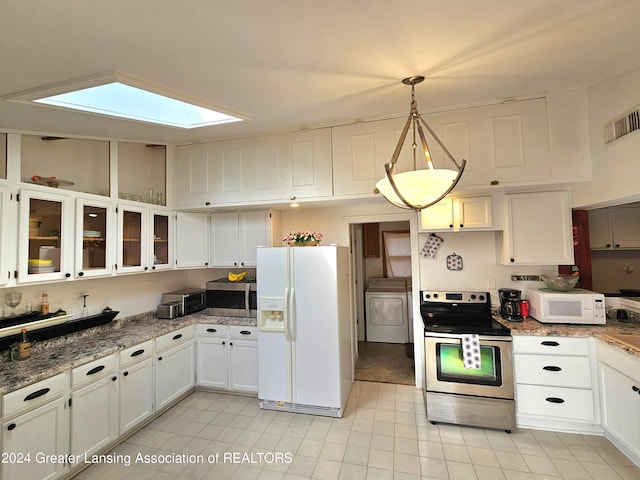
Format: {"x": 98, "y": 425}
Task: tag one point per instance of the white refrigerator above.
{"x": 304, "y": 329}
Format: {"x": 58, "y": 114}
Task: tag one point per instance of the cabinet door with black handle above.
{"x": 41, "y": 430}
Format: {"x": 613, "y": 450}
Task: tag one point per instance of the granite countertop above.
{"x": 530, "y": 326}
{"x": 57, "y": 355}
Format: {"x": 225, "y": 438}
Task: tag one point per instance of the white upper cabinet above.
{"x": 537, "y": 229}
{"x": 360, "y": 152}
{"x": 235, "y": 237}
{"x": 192, "y": 240}
{"x": 503, "y": 144}
{"x": 292, "y": 166}
{"x": 95, "y": 244}
{"x": 45, "y": 249}
{"x": 278, "y": 167}
{"x": 7, "y": 237}
{"x": 458, "y": 214}
{"x": 615, "y": 228}
{"x": 225, "y": 244}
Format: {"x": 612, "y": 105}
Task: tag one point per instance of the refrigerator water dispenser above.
{"x": 271, "y": 313}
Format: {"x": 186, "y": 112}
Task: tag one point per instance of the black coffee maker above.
{"x": 510, "y": 304}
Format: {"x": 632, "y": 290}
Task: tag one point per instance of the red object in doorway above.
{"x": 581, "y": 250}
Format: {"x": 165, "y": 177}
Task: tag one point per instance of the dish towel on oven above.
{"x": 471, "y": 351}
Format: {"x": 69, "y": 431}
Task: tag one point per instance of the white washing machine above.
{"x": 386, "y": 310}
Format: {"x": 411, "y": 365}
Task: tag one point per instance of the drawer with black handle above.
{"x": 34, "y": 395}
{"x": 557, "y": 402}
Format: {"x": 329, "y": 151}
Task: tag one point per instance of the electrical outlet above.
{"x": 525, "y": 278}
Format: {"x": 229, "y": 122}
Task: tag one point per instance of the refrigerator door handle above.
{"x": 291, "y": 317}
{"x": 285, "y": 315}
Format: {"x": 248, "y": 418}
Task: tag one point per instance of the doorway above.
{"x": 383, "y": 286}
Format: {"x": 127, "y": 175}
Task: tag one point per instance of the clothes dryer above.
{"x": 386, "y": 310}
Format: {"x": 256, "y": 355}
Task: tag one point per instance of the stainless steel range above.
{"x": 481, "y": 394}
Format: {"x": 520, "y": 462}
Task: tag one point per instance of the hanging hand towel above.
{"x": 471, "y": 351}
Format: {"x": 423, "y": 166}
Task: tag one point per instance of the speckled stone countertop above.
{"x": 530, "y": 326}
{"x": 56, "y": 355}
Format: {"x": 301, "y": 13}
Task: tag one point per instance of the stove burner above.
{"x": 459, "y": 313}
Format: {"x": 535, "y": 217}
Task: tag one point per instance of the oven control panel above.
{"x": 455, "y": 297}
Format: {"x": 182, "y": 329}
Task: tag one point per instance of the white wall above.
{"x": 615, "y": 166}
{"x": 480, "y": 268}
{"x": 129, "y": 294}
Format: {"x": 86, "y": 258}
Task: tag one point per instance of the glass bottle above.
{"x": 24, "y": 347}
{"x": 44, "y": 306}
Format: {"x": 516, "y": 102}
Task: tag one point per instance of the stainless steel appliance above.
{"x": 169, "y": 310}
{"x": 510, "y": 304}
{"x": 191, "y": 300}
{"x": 232, "y": 299}
{"x": 574, "y": 306}
{"x": 484, "y": 396}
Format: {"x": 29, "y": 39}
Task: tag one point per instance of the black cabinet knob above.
{"x": 207, "y": 204}
{"x": 80, "y": 274}
{"x": 67, "y": 275}
{"x": 11, "y": 426}
{"x": 126, "y": 374}
{"x": 159, "y": 359}
{"x": 113, "y": 379}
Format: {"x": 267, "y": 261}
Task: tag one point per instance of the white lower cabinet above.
{"x": 174, "y": 365}
{"x": 619, "y": 376}
{"x": 555, "y": 378}
{"x": 34, "y": 424}
{"x": 227, "y": 358}
{"x": 136, "y": 385}
{"x": 94, "y": 406}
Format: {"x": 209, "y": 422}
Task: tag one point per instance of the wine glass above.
{"x": 13, "y": 300}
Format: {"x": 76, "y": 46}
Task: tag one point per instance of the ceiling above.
{"x": 292, "y": 64}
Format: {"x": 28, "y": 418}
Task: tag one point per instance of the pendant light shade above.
{"x": 418, "y": 188}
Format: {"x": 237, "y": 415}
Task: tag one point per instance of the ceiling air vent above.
{"x": 622, "y": 125}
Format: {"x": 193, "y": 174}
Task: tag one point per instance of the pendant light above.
{"x": 418, "y": 189}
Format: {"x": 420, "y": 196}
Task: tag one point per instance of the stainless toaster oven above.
{"x": 191, "y": 299}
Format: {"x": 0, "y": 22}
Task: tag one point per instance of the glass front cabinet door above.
{"x": 161, "y": 241}
{"x": 95, "y": 238}
{"x": 46, "y": 239}
{"x": 132, "y": 244}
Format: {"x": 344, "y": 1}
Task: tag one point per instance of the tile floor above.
{"x": 384, "y": 434}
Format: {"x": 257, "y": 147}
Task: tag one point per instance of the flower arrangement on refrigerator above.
{"x": 302, "y": 238}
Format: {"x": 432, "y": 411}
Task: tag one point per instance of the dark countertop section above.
{"x": 54, "y": 356}
{"x": 530, "y": 326}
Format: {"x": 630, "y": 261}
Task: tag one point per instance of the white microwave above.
{"x": 575, "y": 306}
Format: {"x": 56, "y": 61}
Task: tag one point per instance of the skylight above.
{"x": 121, "y": 100}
